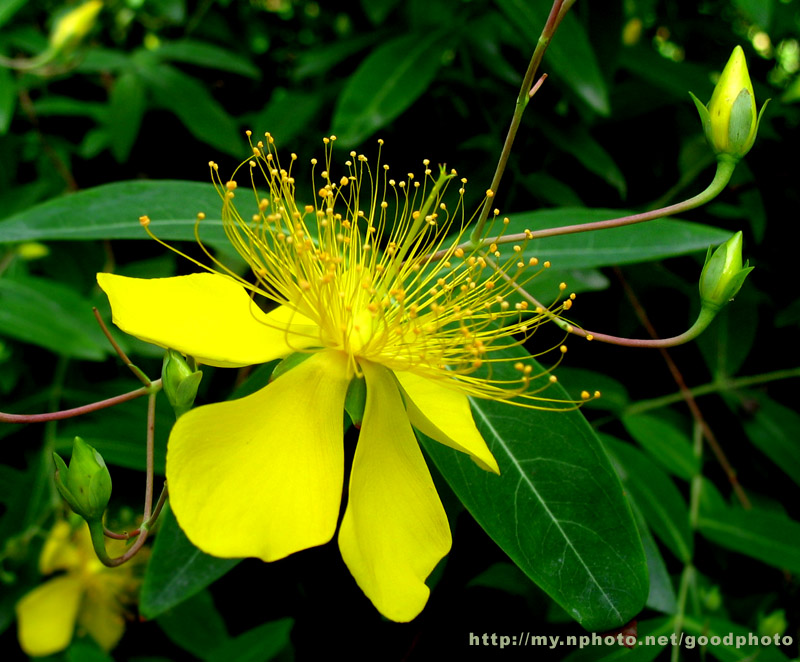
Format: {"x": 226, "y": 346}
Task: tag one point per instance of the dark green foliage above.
{"x": 624, "y": 516}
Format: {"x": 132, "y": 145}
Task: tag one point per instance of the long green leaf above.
{"x": 112, "y": 211}
{"x": 557, "y": 509}
{"x": 200, "y": 113}
{"x": 51, "y": 315}
{"x": 204, "y": 54}
{"x": 654, "y": 240}
{"x": 388, "y": 81}
{"x": 260, "y": 644}
{"x": 767, "y": 536}
{"x": 177, "y": 570}
{"x": 774, "y": 430}
{"x": 656, "y": 495}
{"x": 8, "y": 99}
{"x": 8, "y": 8}
{"x": 128, "y": 104}
{"x": 668, "y": 445}
{"x": 195, "y": 625}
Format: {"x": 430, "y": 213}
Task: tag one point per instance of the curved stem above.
{"x": 79, "y": 411}
{"x": 122, "y": 355}
{"x": 722, "y": 176}
{"x": 701, "y": 323}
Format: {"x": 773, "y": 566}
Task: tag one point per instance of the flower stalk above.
{"x": 526, "y": 92}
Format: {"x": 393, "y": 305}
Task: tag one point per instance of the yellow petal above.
{"x": 444, "y": 414}
{"x": 101, "y": 617}
{"x": 208, "y": 316}
{"x": 46, "y": 615}
{"x": 395, "y": 530}
{"x": 59, "y": 551}
{"x": 262, "y": 476}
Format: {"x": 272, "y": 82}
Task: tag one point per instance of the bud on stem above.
{"x": 180, "y": 382}
{"x": 723, "y": 274}
{"x": 730, "y": 121}
{"x": 86, "y": 483}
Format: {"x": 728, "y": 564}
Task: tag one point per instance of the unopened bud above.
{"x": 180, "y": 382}
{"x": 723, "y": 274}
{"x": 74, "y": 26}
{"x": 86, "y": 483}
{"x": 730, "y": 121}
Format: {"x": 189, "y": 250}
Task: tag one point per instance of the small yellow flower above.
{"x": 75, "y": 25}
{"x": 87, "y": 594}
{"x": 359, "y": 291}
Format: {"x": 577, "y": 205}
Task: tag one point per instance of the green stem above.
{"x": 716, "y": 386}
{"x": 722, "y": 176}
{"x": 694, "y": 509}
{"x": 701, "y": 323}
{"x": 683, "y": 591}
{"x": 557, "y": 12}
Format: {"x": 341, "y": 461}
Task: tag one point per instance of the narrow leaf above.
{"x": 767, "y": 536}
{"x": 665, "y": 443}
{"x": 388, "y": 81}
{"x": 195, "y": 625}
{"x": 51, "y": 315}
{"x": 288, "y": 114}
{"x": 200, "y": 113}
{"x": 128, "y": 104}
{"x": 8, "y": 99}
{"x": 260, "y": 644}
{"x": 204, "y": 54}
{"x": 656, "y": 495}
{"x": 112, "y": 211}
{"x": 774, "y": 430}
{"x": 177, "y": 570}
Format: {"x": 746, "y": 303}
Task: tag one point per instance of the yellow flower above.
{"x": 360, "y": 292}
{"x": 87, "y": 593}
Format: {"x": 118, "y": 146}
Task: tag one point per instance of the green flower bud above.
{"x": 180, "y": 382}
{"x": 86, "y": 483}
{"x": 730, "y": 121}
{"x": 723, "y": 274}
